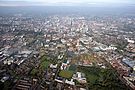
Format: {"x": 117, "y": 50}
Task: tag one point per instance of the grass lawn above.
{"x": 92, "y": 78}
{"x": 66, "y": 74}
{"x": 91, "y": 74}
{"x": 103, "y": 79}
{"x": 44, "y": 64}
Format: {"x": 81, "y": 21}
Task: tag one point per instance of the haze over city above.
{"x": 67, "y": 44}
{"x": 65, "y": 2}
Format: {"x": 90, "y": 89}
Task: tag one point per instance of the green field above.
{"x": 66, "y": 74}
{"x": 102, "y": 79}
{"x": 44, "y": 64}
{"x": 92, "y": 78}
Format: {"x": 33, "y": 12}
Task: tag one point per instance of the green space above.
{"x": 92, "y": 78}
{"x": 44, "y": 58}
{"x": 102, "y": 79}
{"x": 72, "y": 67}
{"x": 44, "y": 65}
{"x": 66, "y": 74}
{"x": 34, "y": 72}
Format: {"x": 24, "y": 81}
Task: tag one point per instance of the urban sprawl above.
{"x": 67, "y": 52}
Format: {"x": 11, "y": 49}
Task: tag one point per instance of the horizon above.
{"x": 110, "y": 3}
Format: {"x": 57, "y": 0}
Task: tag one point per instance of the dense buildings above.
{"x": 57, "y": 52}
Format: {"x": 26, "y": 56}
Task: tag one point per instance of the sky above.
{"x": 64, "y": 2}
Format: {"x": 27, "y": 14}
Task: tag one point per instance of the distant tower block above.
{"x": 71, "y": 23}
{"x": 78, "y": 43}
